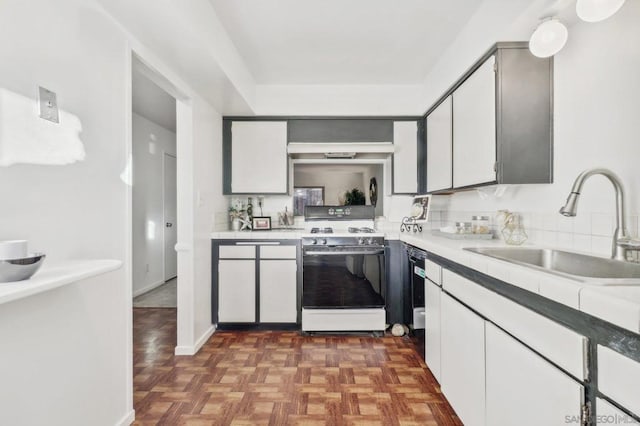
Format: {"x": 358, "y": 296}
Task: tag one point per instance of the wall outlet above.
{"x": 48, "y": 105}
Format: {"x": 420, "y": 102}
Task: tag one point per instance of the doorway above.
{"x": 154, "y": 195}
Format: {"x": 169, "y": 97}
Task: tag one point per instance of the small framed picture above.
{"x": 420, "y": 208}
{"x": 261, "y": 223}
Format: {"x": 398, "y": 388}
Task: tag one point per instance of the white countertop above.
{"x": 619, "y": 305}
{"x": 616, "y": 304}
{"x": 56, "y": 275}
{"x": 274, "y": 234}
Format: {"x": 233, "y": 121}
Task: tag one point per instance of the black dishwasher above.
{"x": 416, "y": 273}
{"x": 415, "y": 308}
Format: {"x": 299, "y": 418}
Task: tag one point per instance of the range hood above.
{"x": 340, "y": 150}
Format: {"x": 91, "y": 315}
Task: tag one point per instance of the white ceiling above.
{"x": 152, "y": 102}
{"x": 342, "y": 42}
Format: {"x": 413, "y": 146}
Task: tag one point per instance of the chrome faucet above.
{"x": 622, "y": 241}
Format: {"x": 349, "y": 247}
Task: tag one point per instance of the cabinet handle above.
{"x": 257, "y": 243}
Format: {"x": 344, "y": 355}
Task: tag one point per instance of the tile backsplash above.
{"x": 588, "y": 232}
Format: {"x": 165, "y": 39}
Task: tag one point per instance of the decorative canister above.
{"x": 480, "y": 224}
{"x": 463, "y": 227}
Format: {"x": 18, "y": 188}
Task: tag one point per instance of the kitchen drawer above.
{"x": 433, "y": 271}
{"x": 559, "y": 344}
{"x": 278, "y": 252}
{"x": 607, "y": 414}
{"x": 343, "y": 319}
{"x": 237, "y": 252}
{"x": 618, "y": 378}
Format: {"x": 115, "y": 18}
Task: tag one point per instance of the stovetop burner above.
{"x": 322, "y": 230}
{"x": 363, "y": 230}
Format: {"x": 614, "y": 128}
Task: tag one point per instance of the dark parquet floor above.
{"x": 280, "y": 378}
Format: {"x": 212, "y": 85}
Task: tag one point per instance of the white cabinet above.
{"x": 439, "y": 141}
{"x": 257, "y": 282}
{"x": 559, "y": 344}
{"x": 259, "y": 157}
{"x": 278, "y": 291}
{"x": 474, "y": 128}
{"x": 524, "y": 389}
{"x": 607, "y": 414}
{"x": 405, "y": 157}
{"x": 236, "y": 290}
{"x": 618, "y": 378}
{"x": 432, "y": 327}
{"x": 463, "y": 361}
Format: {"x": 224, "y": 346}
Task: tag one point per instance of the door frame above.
{"x": 164, "y": 217}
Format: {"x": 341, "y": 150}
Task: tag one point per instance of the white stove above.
{"x": 343, "y": 270}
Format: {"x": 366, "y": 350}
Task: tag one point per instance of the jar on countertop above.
{"x": 480, "y": 224}
{"x": 464, "y": 228}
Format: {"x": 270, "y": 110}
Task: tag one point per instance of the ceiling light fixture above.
{"x": 549, "y": 38}
{"x": 597, "y": 10}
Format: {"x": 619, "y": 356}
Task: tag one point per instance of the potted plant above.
{"x": 235, "y": 214}
{"x": 355, "y": 197}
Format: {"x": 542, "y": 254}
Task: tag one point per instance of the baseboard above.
{"x": 127, "y": 419}
{"x": 192, "y": 350}
{"x": 147, "y": 288}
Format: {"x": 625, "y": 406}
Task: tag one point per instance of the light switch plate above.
{"x": 48, "y": 105}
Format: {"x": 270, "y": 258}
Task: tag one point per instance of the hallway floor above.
{"x": 281, "y": 378}
{"x": 163, "y": 296}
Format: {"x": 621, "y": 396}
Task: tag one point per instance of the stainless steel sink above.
{"x": 585, "y": 268}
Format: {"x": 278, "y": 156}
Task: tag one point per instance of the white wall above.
{"x": 335, "y": 183}
{"x": 150, "y": 143}
{"x": 150, "y": 101}
{"x": 207, "y": 175}
{"x": 69, "y": 362}
{"x": 63, "y": 360}
{"x": 190, "y": 37}
{"x": 597, "y": 105}
{"x": 493, "y": 21}
{"x": 338, "y": 100}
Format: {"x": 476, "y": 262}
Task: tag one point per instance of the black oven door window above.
{"x": 335, "y": 281}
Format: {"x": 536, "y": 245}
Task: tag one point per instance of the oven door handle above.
{"x": 342, "y": 253}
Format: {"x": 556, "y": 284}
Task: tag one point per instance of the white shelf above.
{"x": 54, "y": 276}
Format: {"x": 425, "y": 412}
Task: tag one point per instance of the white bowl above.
{"x": 20, "y": 269}
{"x": 14, "y": 249}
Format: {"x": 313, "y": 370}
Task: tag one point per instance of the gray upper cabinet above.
{"x": 501, "y": 128}
{"x": 345, "y": 129}
{"x": 255, "y": 157}
{"x": 524, "y": 104}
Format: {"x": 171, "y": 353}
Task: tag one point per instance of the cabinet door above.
{"x": 259, "y": 157}
{"x": 432, "y": 328}
{"x": 518, "y": 380}
{"x": 607, "y": 414}
{"x": 278, "y": 291}
{"x": 462, "y": 361}
{"x": 474, "y": 128}
{"x": 618, "y": 378}
{"x": 405, "y": 157}
{"x": 236, "y": 290}
{"x": 439, "y": 141}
